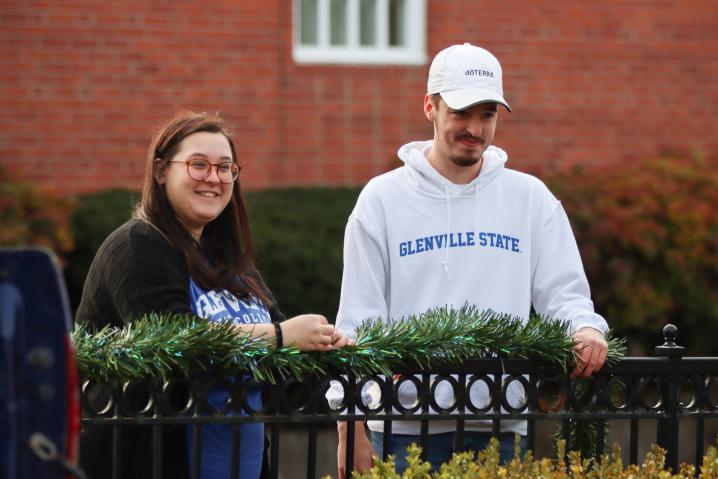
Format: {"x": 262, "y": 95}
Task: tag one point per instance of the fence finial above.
{"x": 670, "y": 349}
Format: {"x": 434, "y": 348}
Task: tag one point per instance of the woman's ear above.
{"x": 160, "y": 171}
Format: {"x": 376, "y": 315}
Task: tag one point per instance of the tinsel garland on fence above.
{"x": 161, "y": 346}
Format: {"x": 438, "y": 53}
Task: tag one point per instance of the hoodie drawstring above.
{"x": 476, "y": 212}
{"x": 445, "y": 263}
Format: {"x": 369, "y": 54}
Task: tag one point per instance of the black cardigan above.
{"x": 135, "y": 272}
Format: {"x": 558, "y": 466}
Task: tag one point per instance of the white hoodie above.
{"x": 416, "y": 241}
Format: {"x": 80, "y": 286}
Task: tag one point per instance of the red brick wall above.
{"x": 84, "y": 83}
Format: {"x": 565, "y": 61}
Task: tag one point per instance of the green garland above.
{"x": 163, "y": 346}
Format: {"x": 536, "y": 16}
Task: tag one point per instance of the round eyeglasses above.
{"x": 199, "y": 169}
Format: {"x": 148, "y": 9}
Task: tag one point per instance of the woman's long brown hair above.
{"x": 225, "y": 254}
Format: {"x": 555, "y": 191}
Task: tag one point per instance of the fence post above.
{"x": 668, "y": 427}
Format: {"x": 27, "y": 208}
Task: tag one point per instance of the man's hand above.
{"x": 592, "y": 349}
{"x": 363, "y": 451}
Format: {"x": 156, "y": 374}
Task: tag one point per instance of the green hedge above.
{"x": 299, "y": 234}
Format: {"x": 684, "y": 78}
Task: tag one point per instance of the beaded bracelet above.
{"x": 278, "y": 334}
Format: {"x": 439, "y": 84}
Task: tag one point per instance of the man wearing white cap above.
{"x": 454, "y": 226}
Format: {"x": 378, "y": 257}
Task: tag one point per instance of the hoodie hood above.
{"x": 431, "y": 183}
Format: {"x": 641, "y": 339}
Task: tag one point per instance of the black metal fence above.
{"x": 667, "y": 389}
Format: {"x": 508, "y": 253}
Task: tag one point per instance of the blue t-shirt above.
{"x": 221, "y": 305}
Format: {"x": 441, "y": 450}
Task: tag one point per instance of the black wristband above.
{"x": 278, "y": 334}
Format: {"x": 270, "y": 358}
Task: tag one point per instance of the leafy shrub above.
{"x": 33, "y": 217}
{"x": 648, "y": 233}
{"x": 486, "y": 464}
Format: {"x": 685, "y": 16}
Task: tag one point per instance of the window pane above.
{"x": 338, "y": 19}
{"x": 367, "y": 25}
{"x": 396, "y": 22}
{"x": 308, "y": 25}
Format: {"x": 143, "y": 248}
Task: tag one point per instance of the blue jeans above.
{"x": 441, "y": 446}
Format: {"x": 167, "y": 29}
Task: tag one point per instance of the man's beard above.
{"x": 469, "y": 160}
{"x": 464, "y": 160}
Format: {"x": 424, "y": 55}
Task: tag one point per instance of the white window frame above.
{"x": 412, "y": 53}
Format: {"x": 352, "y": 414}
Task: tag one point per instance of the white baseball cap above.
{"x": 465, "y": 75}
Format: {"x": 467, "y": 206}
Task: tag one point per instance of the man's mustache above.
{"x": 472, "y": 138}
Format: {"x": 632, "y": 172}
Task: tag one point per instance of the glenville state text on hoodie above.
{"x": 416, "y": 241}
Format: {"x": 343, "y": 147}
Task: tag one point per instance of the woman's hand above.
{"x": 312, "y": 332}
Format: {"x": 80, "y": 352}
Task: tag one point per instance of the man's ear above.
{"x": 160, "y": 171}
{"x": 429, "y": 109}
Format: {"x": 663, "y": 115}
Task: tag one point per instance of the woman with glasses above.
{"x": 189, "y": 249}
